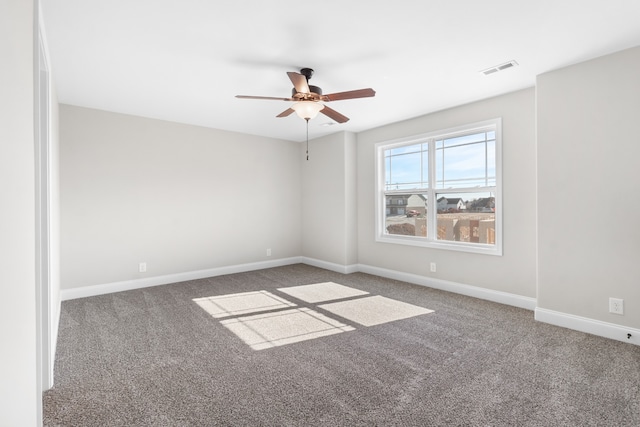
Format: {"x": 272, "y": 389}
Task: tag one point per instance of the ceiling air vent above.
{"x": 500, "y": 67}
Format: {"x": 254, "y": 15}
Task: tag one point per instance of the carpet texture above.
{"x": 155, "y": 357}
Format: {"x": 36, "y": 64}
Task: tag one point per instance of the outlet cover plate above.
{"x": 616, "y": 305}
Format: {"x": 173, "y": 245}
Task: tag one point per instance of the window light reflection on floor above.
{"x": 243, "y": 303}
{"x": 268, "y": 330}
{"x": 320, "y": 292}
{"x": 264, "y": 320}
{"x": 374, "y": 310}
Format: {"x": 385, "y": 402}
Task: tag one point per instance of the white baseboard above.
{"x": 338, "y": 268}
{"x": 458, "y": 288}
{"x": 127, "y": 285}
{"x": 590, "y": 326}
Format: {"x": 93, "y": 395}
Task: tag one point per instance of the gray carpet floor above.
{"x": 153, "y": 357}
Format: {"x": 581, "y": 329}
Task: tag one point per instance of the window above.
{"x": 442, "y": 189}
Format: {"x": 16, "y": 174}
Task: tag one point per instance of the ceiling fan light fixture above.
{"x": 307, "y": 109}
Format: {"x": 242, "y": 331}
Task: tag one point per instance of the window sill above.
{"x": 476, "y": 248}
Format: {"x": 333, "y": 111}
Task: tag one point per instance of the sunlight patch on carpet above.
{"x": 242, "y": 303}
{"x": 262, "y": 331}
{"x": 320, "y": 292}
{"x": 374, "y": 310}
{"x": 264, "y": 320}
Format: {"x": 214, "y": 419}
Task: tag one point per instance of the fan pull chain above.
{"x": 307, "y": 138}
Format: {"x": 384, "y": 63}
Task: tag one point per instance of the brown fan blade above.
{"x": 299, "y": 82}
{"x": 286, "y": 112}
{"x": 360, "y": 93}
{"x": 333, "y": 114}
{"x": 263, "y": 97}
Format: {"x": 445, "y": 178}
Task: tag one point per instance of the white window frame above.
{"x": 381, "y": 234}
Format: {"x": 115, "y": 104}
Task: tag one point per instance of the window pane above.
{"x": 405, "y": 167}
{"x": 491, "y": 163}
{"x": 465, "y": 139}
{"x": 467, "y": 217}
{"x": 387, "y": 169}
{"x": 425, "y": 167}
{"x": 406, "y": 214}
{"x": 403, "y": 150}
{"x": 465, "y": 161}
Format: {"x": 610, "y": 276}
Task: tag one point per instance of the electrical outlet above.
{"x": 142, "y": 267}
{"x": 433, "y": 267}
{"x": 616, "y": 305}
{"x": 269, "y": 252}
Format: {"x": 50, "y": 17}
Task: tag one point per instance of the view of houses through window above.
{"x": 456, "y": 173}
{"x": 463, "y": 220}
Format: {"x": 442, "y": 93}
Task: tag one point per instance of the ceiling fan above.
{"x": 309, "y": 100}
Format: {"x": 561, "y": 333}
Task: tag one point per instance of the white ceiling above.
{"x": 185, "y": 60}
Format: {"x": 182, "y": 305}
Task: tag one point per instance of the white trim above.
{"x": 338, "y": 268}
{"x": 590, "y": 326}
{"x": 476, "y": 248}
{"x": 527, "y": 303}
{"x": 127, "y": 285}
{"x": 46, "y": 315}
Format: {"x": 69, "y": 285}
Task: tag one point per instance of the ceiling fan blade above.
{"x": 299, "y": 82}
{"x": 286, "y": 112}
{"x": 333, "y": 114}
{"x": 360, "y": 93}
{"x": 264, "y": 97}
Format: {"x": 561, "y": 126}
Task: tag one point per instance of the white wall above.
{"x": 515, "y": 271}
{"x": 329, "y": 203}
{"x": 180, "y": 198}
{"x": 589, "y": 159}
{"x": 351, "y": 198}
{"x": 20, "y": 402}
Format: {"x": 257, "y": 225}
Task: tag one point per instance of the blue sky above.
{"x": 469, "y": 161}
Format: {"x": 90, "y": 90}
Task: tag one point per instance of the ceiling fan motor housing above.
{"x": 312, "y": 90}
{"x": 315, "y": 94}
